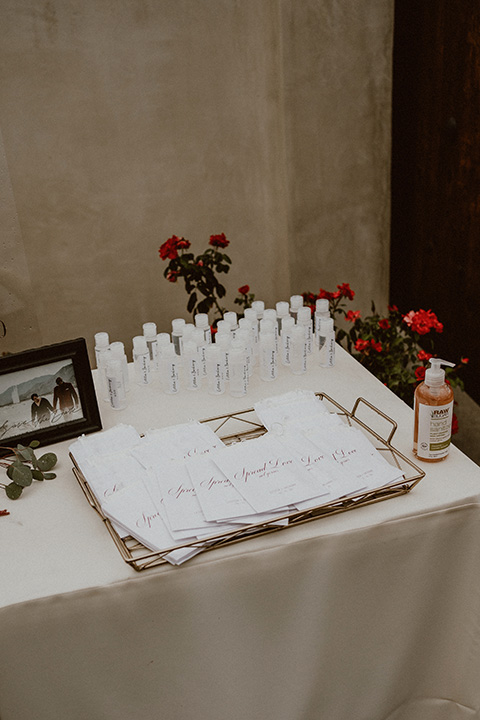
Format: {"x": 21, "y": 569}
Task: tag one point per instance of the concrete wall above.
{"x": 124, "y": 122}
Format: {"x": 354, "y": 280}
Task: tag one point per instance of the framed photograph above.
{"x": 47, "y": 394}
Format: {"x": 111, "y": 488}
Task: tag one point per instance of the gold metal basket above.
{"x": 244, "y": 425}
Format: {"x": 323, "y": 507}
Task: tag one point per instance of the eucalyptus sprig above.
{"x": 26, "y": 467}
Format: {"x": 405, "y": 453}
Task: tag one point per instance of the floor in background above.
{"x": 468, "y": 437}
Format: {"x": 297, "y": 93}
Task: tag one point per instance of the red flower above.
{"x": 420, "y": 373}
{"x": 384, "y": 324}
{"x": 376, "y": 345}
{"x": 244, "y": 289}
{"x": 170, "y": 248}
{"x": 422, "y": 321}
{"x": 464, "y": 360}
{"x": 200, "y": 263}
{"x": 422, "y": 355}
{"x": 392, "y": 308}
{"x": 329, "y": 295}
{"x": 172, "y": 276}
{"x": 346, "y": 291}
{"x": 352, "y": 315}
{"x": 361, "y": 345}
{"x": 219, "y": 240}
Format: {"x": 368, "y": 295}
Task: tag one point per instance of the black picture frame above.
{"x": 36, "y": 372}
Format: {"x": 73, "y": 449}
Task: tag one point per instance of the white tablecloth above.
{"x": 373, "y": 614}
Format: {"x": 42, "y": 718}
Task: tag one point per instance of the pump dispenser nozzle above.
{"x": 435, "y": 375}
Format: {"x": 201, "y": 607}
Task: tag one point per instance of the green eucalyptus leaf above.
{"x": 47, "y": 461}
{"x": 34, "y": 444}
{"x": 37, "y": 474}
{"x": 13, "y": 491}
{"x": 49, "y": 476}
{"x": 10, "y": 472}
{"x": 22, "y": 475}
{"x": 27, "y": 454}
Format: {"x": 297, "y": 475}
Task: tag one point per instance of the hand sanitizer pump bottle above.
{"x": 433, "y": 414}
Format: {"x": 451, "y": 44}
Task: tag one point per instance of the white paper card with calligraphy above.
{"x": 265, "y": 473}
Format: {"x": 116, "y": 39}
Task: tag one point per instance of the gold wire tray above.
{"x": 244, "y": 425}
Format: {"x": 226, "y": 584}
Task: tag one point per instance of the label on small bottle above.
{"x": 434, "y": 430}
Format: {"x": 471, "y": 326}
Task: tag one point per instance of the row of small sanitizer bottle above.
{"x": 189, "y": 355}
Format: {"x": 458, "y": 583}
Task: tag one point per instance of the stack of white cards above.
{"x": 182, "y": 486}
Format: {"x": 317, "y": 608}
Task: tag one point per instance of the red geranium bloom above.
{"x": 422, "y": 321}
{"x": 384, "y": 324}
{"x": 392, "y": 308}
{"x": 422, "y": 355}
{"x": 329, "y": 295}
{"x": 169, "y": 248}
{"x": 361, "y": 345}
{"x": 376, "y": 345}
{"x": 219, "y": 240}
{"x": 346, "y": 291}
{"x": 464, "y": 360}
{"x": 244, "y": 289}
{"x": 420, "y": 373}
{"x": 183, "y": 244}
{"x": 352, "y": 315}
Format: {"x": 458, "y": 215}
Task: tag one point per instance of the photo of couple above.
{"x": 39, "y": 397}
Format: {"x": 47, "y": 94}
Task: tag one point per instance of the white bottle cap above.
{"x": 230, "y": 318}
{"x": 282, "y": 309}
{"x": 270, "y": 314}
{"x": 223, "y": 327}
{"x": 266, "y": 326}
{"x": 322, "y": 305}
{"x": 201, "y": 321}
{"x": 304, "y": 315}
{"x": 250, "y": 314}
{"x": 101, "y": 340}
{"x": 326, "y": 325}
{"x": 245, "y": 324}
{"x": 258, "y": 306}
{"x": 163, "y": 339}
{"x": 150, "y": 330}
{"x": 178, "y": 324}
{"x": 140, "y": 344}
{"x": 117, "y": 348}
{"x": 296, "y": 301}
{"x": 288, "y": 322}
{"x": 434, "y": 375}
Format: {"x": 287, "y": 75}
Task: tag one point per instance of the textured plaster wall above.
{"x": 123, "y": 122}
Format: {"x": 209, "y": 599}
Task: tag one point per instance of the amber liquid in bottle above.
{"x": 425, "y": 395}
